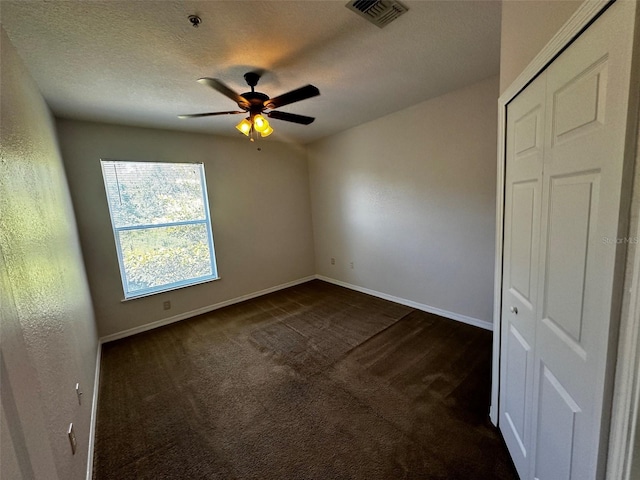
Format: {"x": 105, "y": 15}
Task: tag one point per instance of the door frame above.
{"x": 626, "y": 386}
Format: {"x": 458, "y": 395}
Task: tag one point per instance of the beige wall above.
{"x": 260, "y": 215}
{"x": 410, "y": 200}
{"x": 48, "y": 334}
{"x": 527, "y": 26}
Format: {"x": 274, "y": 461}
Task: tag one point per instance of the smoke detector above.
{"x": 379, "y": 12}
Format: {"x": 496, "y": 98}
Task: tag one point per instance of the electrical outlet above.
{"x": 351, "y": 265}
{"x": 167, "y": 305}
{"x": 333, "y": 261}
{"x": 79, "y": 393}
{"x": 72, "y": 439}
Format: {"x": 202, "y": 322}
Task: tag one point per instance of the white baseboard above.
{"x": 94, "y": 411}
{"x": 410, "y": 303}
{"x": 200, "y": 311}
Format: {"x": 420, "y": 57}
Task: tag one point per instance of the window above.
{"x": 161, "y": 225}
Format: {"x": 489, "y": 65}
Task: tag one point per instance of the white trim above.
{"x": 585, "y": 13}
{"x": 200, "y": 311}
{"x": 94, "y": 412}
{"x": 626, "y": 401}
{"x": 627, "y": 384}
{"x": 497, "y": 285}
{"x": 410, "y": 303}
{"x": 576, "y": 23}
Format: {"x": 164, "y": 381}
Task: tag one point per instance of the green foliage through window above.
{"x": 161, "y": 224}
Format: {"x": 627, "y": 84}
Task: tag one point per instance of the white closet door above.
{"x": 561, "y": 271}
{"x": 585, "y": 130}
{"x": 523, "y": 198}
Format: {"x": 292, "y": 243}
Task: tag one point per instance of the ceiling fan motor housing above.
{"x": 256, "y": 99}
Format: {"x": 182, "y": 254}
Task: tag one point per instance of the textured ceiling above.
{"x": 136, "y": 62}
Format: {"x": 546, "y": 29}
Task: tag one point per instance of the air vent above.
{"x": 378, "y": 12}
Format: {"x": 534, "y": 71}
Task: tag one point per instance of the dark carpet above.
{"x": 312, "y": 382}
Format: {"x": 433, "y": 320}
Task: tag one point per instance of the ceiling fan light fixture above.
{"x": 260, "y": 123}
{"x": 244, "y": 126}
{"x": 267, "y": 131}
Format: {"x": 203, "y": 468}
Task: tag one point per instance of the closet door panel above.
{"x": 564, "y": 190}
{"x": 587, "y": 96}
{"x": 523, "y": 196}
{"x": 573, "y": 207}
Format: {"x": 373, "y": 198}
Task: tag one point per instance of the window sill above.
{"x": 168, "y": 290}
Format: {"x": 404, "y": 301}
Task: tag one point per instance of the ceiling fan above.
{"x": 256, "y": 104}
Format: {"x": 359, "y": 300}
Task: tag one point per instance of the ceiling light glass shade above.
{"x": 260, "y": 123}
{"x": 267, "y": 131}
{"x": 244, "y": 126}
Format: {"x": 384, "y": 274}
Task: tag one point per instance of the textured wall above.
{"x": 527, "y": 26}
{"x": 48, "y": 333}
{"x": 260, "y": 214}
{"x": 410, "y": 199}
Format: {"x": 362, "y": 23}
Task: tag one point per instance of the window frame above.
{"x": 128, "y": 295}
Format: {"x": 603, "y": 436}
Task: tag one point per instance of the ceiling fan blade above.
{"x": 226, "y": 91}
{"x": 211, "y": 114}
{"x": 301, "y": 93}
{"x": 291, "y": 117}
